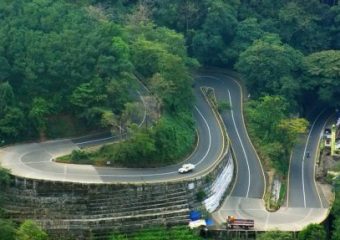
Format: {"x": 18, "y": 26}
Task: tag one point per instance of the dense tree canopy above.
{"x": 209, "y": 42}
{"x": 7, "y": 230}
{"x": 313, "y": 232}
{"x": 79, "y": 59}
{"x": 50, "y": 49}
{"x": 270, "y": 67}
{"x": 322, "y": 74}
{"x": 273, "y": 129}
{"x": 62, "y": 58}
{"x": 247, "y": 32}
{"x": 308, "y": 33}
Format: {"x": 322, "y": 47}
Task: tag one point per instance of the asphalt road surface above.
{"x": 35, "y": 160}
{"x": 305, "y": 204}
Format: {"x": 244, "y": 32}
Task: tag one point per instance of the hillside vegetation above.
{"x": 66, "y": 61}
{"x": 69, "y": 68}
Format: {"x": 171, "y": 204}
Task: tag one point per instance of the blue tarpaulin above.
{"x": 195, "y": 215}
{"x": 209, "y": 222}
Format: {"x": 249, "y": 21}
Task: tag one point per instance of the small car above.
{"x": 307, "y": 154}
{"x": 186, "y": 168}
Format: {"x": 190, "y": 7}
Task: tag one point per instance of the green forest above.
{"x": 68, "y": 68}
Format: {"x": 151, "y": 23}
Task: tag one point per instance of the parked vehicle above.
{"x": 186, "y": 168}
{"x": 241, "y": 223}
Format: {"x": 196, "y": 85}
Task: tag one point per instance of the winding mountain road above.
{"x": 305, "y": 204}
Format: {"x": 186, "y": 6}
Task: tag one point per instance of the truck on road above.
{"x": 241, "y": 223}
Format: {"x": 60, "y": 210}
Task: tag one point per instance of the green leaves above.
{"x": 89, "y": 94}
{"x": 6, "y": 97}
{"x": 217, "y": 31}
{"x": 276, "y": 133}
{"x": 322, "y": 74}
{"x": 39, "y": 112}
{"x": 270, "y": 67}
{"x": 178, "y": 233}
{"x": 4, "y": 177}
{"x": 247, "y": 32}
{"x": 174, "y": 137}
{"x": 291, "y": 129}
{"x": 7, "y": 230}
{"x": 62, "y": 52}
{"x": 275, "y": 235}
{"x": 29, "y": 230}
{"x": 12, "y": 124}
{"x": 313, "y": 232}
{"x": 160, "y": 56}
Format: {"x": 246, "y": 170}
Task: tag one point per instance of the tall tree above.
{"x": 306, "y": 33}
{"x": 12, "y": 125}
{"x": 183, "y": 16}
{"x": 39, "y": 111}
{"x": 322, "y": 74}
{"x": 5, "y": 68}
{"x": 217, "y": 31}
{"x": 6, "y": 97}
{"x": 335, "y": 26}
{"x": 275, "y": 132}
{"x": 270, "y": 67}
{"x": 247, "y": 32}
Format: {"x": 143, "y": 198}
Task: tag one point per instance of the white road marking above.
{"x": 303, "y": 160}
{"x": 96, "y": 140}
{"x": 288, "y": 180}
{"x": 43, "y": 161}
{"x": 318, "y": 148}
{"x": 241, "y": 209}
{"x": 128, "y": 175}
{"x": 209, "y": 133}
{"x": 243, "y": 149}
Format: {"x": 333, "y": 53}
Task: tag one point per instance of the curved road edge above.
{"x": 245, "y": 201}
{"x": 35, "y": 160}
{"x": 287, "y": 218}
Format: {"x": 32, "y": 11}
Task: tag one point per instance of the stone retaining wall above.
{"x": 93, "y": 211}
{"x": 77, "y": 211}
